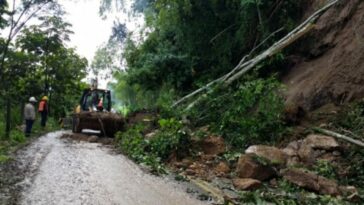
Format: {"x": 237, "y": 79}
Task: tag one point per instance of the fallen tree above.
{"x": 245, "y": 66}
{"x": 339, "y": 136}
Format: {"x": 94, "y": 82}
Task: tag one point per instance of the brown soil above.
{"x": 148, "y": 118}
{"x": 88, "y": 138}
{"x": 334, "y": 70}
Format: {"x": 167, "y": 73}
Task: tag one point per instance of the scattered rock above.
{"x": 187, "y": 162}
{"x": 306, "y": 153}
{"x": 213, "y": 145}
{"x": 336, "y": 153}
{"x": 322, "y": 142}
{"x": 230, "y": 195}
{"x": 328, "y": 186}
{"x": 311, "y": 181}
{"x": 292, "y": 161}
{"x": 93, "y": 139}
{"x": 247, "y": 167}
{"x": 302, "y": 178}
{"x": 222, "y": 168}
{"x": 150, "y": 135}
{"x": 246, "y": 184}
{"x": 207, "y": 157}
{"x": 190, "y": 172}
{"x": 292, "y": 148}
{"x": 273, "y": 154}
{"x": 328, "y": 157}
{"x": 316, "y": 145}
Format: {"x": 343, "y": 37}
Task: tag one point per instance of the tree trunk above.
{"x": 8, "y": 118}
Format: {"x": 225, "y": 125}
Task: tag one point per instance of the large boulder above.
{"x": 311, "y": 181}
{"x": 272, "y": 154}
{"x": 213, "y": 145}
{"x": 248, "y": 167}
{"x": 314, "y": 145}
{"x": 322, "y": 142}
{"x": 246, "y": 184}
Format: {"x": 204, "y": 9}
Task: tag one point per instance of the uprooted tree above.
{"x": 244, "y": 66}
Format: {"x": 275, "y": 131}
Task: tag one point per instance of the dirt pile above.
{"x": 299, "y": 163}
{"x": 333, "y": 67}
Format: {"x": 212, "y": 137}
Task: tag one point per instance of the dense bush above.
{"x": 352, "y": 118}
{"x": 250, "y": 113}
{"x": 170, "y": 139}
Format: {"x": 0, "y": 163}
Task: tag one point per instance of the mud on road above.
{"x": 60, "y": 171}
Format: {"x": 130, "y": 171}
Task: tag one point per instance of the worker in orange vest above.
{"x": 43, "y": 110}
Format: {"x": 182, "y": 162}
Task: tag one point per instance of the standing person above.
{"x": 29, "y": 115}
{"x": 43, "y": 110}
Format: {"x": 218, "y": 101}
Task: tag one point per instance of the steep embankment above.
{"x": 333, "y": 67}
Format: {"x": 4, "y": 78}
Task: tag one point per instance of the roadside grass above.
{"x": 17, "y": 138}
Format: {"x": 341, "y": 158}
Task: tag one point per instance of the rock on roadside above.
{"x": 248, "y": 167}
{"x": 311, "y": 181}
{"x": 273, "y": 154}
{"x": 246, "y": 184}
{"x": 213, "y": 145}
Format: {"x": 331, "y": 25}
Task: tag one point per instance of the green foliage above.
{"x": 287, "y": 194}
{"x": 170, "y": 138}
{"x": 131, "y": 97}
{"x": 352, "y": 118}
{"x": 355, "y": 162}
{"x": 250, "y": 113}
{"x": 3, "y": 158}
{"x": 325, "y": 168}
{"x": 151, "y": 152}
{"x": 17, "y": 137}
{"x": 132, "y": 142}
{"x": 195, "y": 41}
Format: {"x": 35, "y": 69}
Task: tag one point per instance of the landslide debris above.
{"x": 329, "y": 64}
{"x": 271, "y": 166}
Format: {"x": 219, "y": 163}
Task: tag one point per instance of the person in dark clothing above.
{"x": 43, "y": 110}
{"x": 29, "y": 115}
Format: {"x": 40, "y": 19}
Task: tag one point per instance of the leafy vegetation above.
{"x": 352, "y": 118}
{"x": 17, "y": 138}
{"x": 287, "y": 194}
{"x": 249, "y": 113}
{"x": 170, "y": 139}
{"x": 35, "y": 61}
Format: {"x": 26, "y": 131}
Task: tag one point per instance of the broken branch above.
{"x": 244, "y": 67}
{"x": 339, "y": 136}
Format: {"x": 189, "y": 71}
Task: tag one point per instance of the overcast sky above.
{"x": 90, "y": 31}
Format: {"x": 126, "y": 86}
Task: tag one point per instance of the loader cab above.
{"x": 96, "y": 100}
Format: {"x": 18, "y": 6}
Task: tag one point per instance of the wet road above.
{"x": 61, "y": 171}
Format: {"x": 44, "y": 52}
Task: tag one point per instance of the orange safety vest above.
{"x": 42, "y": 105}
{"x": 100, "y": 103}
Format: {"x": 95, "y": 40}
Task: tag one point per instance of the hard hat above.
{"x": 32, "y": 99}
{"x": 45, "y": 98}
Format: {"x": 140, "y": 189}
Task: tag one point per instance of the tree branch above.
{"x": 220, "y": 33}
{"x": 339, "y": 136}
{"x": 244, "y": 67}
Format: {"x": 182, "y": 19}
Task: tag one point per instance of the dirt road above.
{"x": 60, "y": 171}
